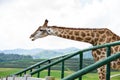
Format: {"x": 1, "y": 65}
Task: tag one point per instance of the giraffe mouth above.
{"x": 32, "y": 38}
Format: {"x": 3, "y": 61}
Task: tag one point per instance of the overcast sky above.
{"x": 20, "y": 18}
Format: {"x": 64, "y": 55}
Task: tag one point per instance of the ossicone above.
{"x": 46, "y": 21}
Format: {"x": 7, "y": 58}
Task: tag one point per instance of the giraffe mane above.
{"x": 77, "y": 28}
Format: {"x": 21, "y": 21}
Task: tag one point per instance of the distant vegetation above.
{"x": 20, "y": 61}
{"x": 13, "y": 57}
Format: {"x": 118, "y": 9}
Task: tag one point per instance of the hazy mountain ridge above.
{"x": 43, "y": 53}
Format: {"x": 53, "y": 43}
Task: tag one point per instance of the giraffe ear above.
{"x": 45, "y": 23}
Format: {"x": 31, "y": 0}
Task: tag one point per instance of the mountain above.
{"x": 43, "y": 53}
{"x": 23, "y": 51}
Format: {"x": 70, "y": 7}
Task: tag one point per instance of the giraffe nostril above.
{"x": 31, "y": 36}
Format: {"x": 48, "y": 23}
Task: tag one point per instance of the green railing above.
{"x": 30, "y": 69}
{"x": 92, "y": 67}
{"x": 66, "y": 57}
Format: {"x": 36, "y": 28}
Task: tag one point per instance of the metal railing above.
{"x": 30, "y": 69}
{"x": 92, "y": 67}
{"x": 66, "y": 57}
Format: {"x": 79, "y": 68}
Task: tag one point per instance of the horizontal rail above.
{"x": 101, "y": 46}
{"x": 92, "y": 67}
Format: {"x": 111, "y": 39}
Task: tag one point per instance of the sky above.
{"x": 20, "y": 18}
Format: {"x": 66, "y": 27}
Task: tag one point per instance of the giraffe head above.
{"x": 42, "y": 31}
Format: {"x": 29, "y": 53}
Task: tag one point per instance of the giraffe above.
{"x": 94, "y": 36}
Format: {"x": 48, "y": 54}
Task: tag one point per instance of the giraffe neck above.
{"x": 93, "y": 36}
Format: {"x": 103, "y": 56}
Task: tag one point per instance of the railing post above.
{"x": 25, "y": 73}
{"x": 62, "y": 71}
{"x": 38, "y": 72}
{"x": 20, "y": 74}
{"x": 108, "y": 50}
{"x": 49, "y": 61}
{"x": 30, "y": 70}
{"x": 80, "y": 63}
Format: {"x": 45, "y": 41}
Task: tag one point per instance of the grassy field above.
{"x": 7, "y": 71}
{"x": 91, "y": 76}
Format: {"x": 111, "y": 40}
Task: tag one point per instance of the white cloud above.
{"x": 20, "y": 18}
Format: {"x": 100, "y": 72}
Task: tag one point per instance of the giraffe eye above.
{"x": 41, "y": 30}
{"x": 48, "y": 30}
